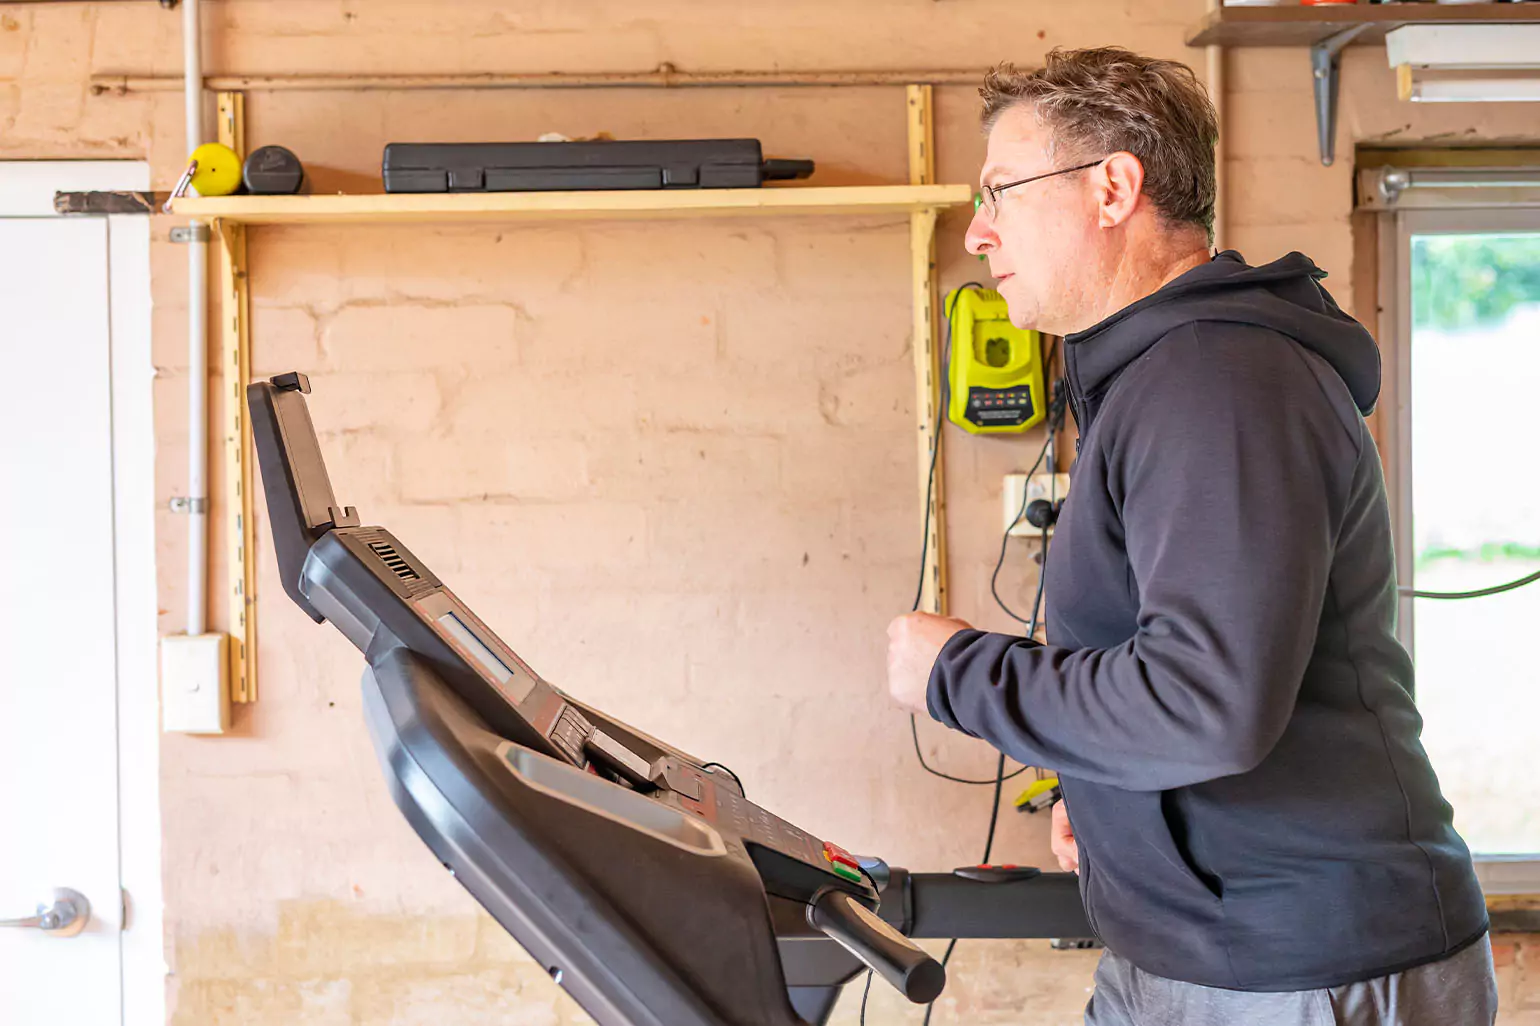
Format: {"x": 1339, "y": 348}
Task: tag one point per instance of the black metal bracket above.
{"x": 1325, "y": 67}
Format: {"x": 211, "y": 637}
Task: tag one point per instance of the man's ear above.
{"x": 1118, "y": 182}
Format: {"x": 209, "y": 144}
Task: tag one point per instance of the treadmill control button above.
{"x": 569, "y": 734}
{"x": 1007, "y": 873}
{"x": 620, "y": 758}
{"x": 845, "y": 872}
{"x": 840, "y": 857}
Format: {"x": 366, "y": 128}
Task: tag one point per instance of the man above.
{"x": 1259, "y": 835}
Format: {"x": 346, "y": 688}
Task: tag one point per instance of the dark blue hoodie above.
{"x": 1222, "y": 692}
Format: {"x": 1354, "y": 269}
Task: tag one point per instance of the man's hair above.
{"x": 1098, "y": 102}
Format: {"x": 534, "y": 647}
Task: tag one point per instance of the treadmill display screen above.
{"x": 485, "y": 656}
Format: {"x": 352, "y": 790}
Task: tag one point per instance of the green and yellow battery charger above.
{"x": 996, "y": 371}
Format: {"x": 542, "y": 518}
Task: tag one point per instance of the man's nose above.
{"x": 981, "y": 237}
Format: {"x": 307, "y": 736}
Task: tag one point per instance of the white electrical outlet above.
{"x": 1051, "y": 487}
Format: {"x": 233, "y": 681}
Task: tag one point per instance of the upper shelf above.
{"x": 1233, "y": 25}
{"x": 543, "y": 206}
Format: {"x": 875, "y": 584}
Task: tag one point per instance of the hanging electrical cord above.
{"x": 1496, "y": 589}
{"x": 1000, "y": 776}
{"x": 1042, "y": 573}
{"x": 989, "y": 847}
{"x": 1005, "y": 539}
{"x": 930, "y": 484}
{"x": 1058, "y": 408}
{"x": 999, "y": 782}
{"x": 1058, "y": 404}
{"x": 935, "y": 435}
{"x": 915, "y": 736}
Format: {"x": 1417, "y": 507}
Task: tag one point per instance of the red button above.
{"x": 834, "y": 853}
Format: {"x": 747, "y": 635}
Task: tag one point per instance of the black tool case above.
{"x": 577, "y": 166}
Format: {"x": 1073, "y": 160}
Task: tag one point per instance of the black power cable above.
{"x": 1057, "y": 405}
{"x": 915, "y": 735}
{"x": 1496, "y": 589}
{"x": 1005, "y": 539}
{"x": 919, "y": 591}
{"x": 1032, "y": 629}
{"x": 935, "y": 435}
{"x": 1054, "y": 422}
{"x": 989, "y": 847}
{"x": 729, "y": 772}
{"x": 930, "y": 485}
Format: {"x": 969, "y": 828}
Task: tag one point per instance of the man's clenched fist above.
{"x": 914, "y": 642}
{"x": 1062, "y": 840}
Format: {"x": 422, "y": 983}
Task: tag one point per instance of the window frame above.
{"x": 1446, "y": 212}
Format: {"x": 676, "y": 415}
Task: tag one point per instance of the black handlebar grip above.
{"x": 893, "y": 956}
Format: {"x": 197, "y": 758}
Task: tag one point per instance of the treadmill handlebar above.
{"x": 890, "y": 954}
{"x": 300, "y": 501}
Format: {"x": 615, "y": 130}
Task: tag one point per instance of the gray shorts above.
{"x": 1459, "y": 991}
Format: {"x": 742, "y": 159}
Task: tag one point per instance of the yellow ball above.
{"x": 219, "y": 170}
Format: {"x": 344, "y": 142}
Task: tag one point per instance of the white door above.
{"x": 60, "y": 628}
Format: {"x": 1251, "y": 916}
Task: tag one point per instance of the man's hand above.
{"x": 914, "y": 642}
{"x": 1062, "y": 839}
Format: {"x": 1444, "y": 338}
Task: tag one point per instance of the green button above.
{"x": 845, "y": 872}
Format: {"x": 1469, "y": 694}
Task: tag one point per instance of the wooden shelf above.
{"x": 542, "y": 206}
{"x": 1307, "y": 26}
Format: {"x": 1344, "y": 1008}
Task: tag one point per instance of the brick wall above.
{"x": 672, "y": 463}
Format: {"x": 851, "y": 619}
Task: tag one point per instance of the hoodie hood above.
{"x": 1285, "y": 296}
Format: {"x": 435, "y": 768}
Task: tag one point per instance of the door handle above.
{"x": 64, "y": 916}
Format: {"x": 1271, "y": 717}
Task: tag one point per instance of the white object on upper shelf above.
{"x": 1449, "y": 63}
{"x": 1474, "y": 89}
{"x": 1464, "y": 46}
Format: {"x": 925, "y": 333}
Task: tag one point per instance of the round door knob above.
{"x": 65, "y": 915}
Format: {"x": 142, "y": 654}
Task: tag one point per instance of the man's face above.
{"x": 1042, "y": 240}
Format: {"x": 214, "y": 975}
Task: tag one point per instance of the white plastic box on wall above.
{"x": 1471, "y": 63}
{"x": 194, "y": 691}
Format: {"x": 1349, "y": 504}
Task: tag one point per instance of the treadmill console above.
{"x": 366, "y": 578}
{"x": 583, "y": 836}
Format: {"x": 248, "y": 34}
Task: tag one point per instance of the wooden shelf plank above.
{"x": 1306, "y": 26}
{"x": 539, "y": 206}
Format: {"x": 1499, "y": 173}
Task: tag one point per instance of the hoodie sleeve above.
{"x": 1227, "y": 466}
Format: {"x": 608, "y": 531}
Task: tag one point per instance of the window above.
{"x": 1462, "y": 347}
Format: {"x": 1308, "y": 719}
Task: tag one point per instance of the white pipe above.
{"x": 1215, "y": 59}
{"x": 197, "y": 345}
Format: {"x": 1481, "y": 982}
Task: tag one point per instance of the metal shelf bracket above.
{"x": 1325, "y": 64}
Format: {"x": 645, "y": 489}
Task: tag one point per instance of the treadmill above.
{"x": 640, "y": 876}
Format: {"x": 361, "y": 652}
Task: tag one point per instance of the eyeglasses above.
{"x": 989, "y": 199}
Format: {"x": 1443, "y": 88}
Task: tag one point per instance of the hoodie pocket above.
{"x": 1086, "y": 899}
{"x": 1179, "y": 852}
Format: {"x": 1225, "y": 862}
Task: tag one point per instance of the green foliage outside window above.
{"x": 1470, "y": 281}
